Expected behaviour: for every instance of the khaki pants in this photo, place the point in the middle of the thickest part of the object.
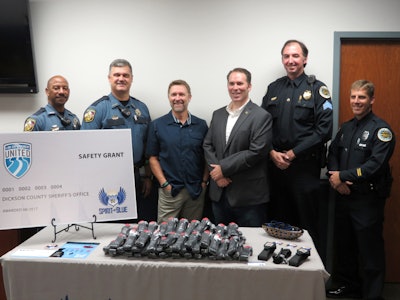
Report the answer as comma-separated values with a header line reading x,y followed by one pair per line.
x,y
180,206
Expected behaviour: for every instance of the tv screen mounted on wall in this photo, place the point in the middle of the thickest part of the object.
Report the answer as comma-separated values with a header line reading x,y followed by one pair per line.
x,y
17,65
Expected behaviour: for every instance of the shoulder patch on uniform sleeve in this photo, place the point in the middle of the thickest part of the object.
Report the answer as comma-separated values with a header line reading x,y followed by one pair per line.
x,y
89,115
324,92
385,135
29,124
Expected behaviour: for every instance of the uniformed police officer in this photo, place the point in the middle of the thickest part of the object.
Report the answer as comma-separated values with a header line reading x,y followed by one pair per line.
x,y
301,109
54,116
358,165
120,110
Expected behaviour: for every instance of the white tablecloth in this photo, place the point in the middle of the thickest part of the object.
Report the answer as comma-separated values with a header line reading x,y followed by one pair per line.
x,y
120,278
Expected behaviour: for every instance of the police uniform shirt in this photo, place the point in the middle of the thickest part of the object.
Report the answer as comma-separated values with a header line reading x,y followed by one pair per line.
x,y
361,149
48,119
109,113
302,114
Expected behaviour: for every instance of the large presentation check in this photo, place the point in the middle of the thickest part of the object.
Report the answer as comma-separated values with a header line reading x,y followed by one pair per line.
x,y
67,177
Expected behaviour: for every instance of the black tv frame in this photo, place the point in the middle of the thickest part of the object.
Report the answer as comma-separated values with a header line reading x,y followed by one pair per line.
x,y
17,61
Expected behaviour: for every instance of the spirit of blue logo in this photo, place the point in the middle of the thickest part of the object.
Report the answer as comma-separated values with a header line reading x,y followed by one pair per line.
x,y
114,200
17,158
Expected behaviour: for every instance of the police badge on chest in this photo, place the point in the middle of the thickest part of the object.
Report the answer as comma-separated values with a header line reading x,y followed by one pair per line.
x,y
364,138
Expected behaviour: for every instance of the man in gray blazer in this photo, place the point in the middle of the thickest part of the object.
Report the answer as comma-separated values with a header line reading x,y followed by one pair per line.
x,y
236,150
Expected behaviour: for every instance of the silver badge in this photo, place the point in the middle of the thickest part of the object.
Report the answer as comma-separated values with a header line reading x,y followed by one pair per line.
x,y
365,135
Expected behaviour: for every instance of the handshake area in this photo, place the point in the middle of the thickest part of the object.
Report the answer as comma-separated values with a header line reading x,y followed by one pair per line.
x,y
67,177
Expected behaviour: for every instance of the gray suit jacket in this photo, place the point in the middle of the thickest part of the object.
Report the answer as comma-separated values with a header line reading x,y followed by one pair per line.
x,y
243,158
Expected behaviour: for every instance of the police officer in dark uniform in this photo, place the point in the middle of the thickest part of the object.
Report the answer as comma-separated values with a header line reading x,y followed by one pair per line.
x,y
54,116
301,108
120,110
358,165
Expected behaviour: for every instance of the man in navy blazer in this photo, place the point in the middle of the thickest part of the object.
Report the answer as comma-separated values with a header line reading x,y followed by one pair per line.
x,y
236,150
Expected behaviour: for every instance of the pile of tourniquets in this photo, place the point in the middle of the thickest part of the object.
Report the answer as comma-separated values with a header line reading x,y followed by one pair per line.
x,y
181,239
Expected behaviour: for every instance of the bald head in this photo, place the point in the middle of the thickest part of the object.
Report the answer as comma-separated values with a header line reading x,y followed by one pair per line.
x,y
56,78
57,92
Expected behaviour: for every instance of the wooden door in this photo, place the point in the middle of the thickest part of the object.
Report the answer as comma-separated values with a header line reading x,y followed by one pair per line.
x,y
378,60
8,240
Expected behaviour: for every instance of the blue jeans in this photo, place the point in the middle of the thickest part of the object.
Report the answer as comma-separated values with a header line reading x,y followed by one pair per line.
x,y
180,206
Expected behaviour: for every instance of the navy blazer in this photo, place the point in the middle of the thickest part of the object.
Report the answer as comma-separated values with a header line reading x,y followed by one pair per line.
x,y
243,158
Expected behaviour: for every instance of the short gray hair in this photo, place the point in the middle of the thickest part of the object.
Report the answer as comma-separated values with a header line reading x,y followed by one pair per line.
x,y
119,62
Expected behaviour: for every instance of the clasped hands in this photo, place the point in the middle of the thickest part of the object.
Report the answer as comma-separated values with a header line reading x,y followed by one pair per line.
x,y
340,186
217,175
282,160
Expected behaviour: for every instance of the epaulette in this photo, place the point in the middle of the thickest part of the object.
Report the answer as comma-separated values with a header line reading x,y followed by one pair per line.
x,y
100,100
281,79
133,98
68,112
40,111
311,79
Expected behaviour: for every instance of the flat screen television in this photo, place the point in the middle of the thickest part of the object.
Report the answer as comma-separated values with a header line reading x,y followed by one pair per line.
x,y
17,64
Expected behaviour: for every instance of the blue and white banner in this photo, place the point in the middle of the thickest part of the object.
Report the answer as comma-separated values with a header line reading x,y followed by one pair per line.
x,y
68,176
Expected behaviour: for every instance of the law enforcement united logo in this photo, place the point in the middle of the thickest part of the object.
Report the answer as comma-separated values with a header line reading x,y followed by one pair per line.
x,y
17,158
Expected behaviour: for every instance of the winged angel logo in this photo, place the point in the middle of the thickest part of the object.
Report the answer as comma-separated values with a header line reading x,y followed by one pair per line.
x,y
112,198
17,158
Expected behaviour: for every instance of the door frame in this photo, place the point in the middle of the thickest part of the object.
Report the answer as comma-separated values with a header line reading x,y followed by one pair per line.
x,y
339,36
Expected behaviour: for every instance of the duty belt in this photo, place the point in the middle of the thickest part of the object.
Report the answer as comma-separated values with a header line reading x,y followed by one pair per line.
x,y
362,188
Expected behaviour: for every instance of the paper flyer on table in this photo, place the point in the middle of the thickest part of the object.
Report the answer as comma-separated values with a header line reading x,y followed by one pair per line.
x,y
75,250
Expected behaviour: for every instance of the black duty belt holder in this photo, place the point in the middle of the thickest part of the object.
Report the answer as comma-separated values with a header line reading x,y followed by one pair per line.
x,y
268,251
300,256
282,256
77,227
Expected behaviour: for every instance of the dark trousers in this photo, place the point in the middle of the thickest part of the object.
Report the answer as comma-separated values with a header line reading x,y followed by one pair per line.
x,y
146,207
295,194
244,216
359,243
